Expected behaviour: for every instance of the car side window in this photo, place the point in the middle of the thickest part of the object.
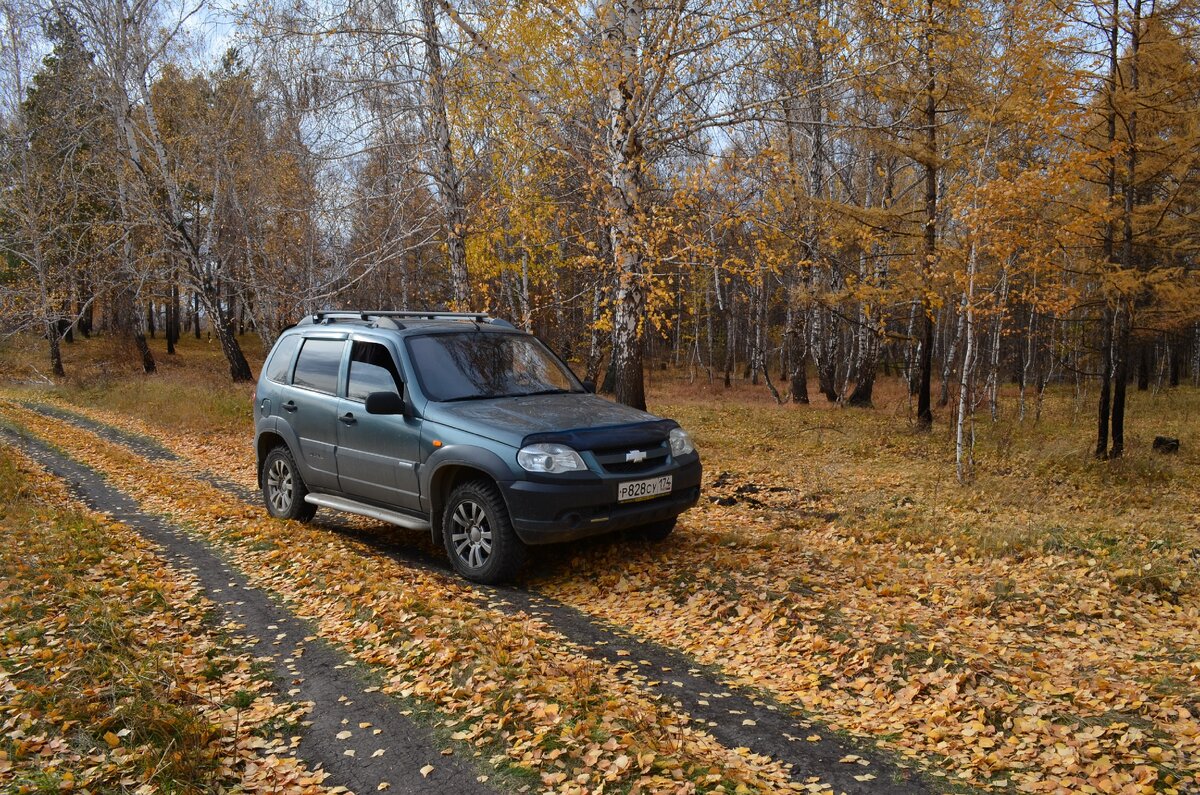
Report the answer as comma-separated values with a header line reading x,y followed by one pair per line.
x,y
372,369
318,364
280,366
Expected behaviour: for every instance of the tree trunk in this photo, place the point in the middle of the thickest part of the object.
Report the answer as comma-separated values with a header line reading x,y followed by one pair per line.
x,y
1109,348
964,446
445,171
1032,358
595,352
930,155
1196,355
1120,383
864,387
823,347
868,359
796,334
950,352
1106,379
997,344
1175,355
1127,252
623,189
87,317
1143,374
173,317
56,362
220,322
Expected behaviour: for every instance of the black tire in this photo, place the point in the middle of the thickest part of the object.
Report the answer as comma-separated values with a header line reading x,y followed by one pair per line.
x,y
283,489
657,531
479,536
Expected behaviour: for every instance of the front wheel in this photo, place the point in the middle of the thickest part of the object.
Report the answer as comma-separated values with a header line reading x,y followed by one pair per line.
x,y
657,531
479,536
283,489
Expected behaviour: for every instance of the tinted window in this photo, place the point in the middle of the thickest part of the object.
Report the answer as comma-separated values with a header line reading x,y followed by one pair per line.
x,y
280,366
371,370
317,366
478,365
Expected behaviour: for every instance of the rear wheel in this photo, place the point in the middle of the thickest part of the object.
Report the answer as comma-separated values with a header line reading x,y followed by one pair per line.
x,y
479,536
657,531
283,489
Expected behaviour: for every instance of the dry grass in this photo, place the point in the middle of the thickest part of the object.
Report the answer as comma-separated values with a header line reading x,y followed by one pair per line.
x,y
191,389
1036,487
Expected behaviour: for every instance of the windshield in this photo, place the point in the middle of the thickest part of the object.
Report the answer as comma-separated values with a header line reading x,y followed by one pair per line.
x,y
477,365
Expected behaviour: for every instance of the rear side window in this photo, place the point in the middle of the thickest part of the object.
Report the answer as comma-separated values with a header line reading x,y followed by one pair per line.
x,y
280,365
318,364
371,370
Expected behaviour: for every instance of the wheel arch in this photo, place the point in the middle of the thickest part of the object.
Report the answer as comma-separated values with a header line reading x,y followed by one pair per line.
x,y
266,442
457,469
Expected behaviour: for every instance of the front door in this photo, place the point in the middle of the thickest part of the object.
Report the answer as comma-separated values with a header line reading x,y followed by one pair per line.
x,y
376,454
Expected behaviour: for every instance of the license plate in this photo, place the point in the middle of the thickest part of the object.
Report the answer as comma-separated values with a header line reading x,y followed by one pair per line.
x,y
643,489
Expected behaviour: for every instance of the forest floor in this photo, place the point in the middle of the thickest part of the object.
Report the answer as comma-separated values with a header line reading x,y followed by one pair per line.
x,y
839,614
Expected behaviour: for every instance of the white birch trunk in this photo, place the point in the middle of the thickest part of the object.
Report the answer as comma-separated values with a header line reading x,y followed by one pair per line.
x,y
964,445
449,185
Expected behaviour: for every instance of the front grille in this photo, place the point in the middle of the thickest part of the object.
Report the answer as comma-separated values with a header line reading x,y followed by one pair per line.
x,y
615,460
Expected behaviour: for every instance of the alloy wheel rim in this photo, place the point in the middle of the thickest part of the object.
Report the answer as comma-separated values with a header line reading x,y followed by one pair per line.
x,y
280,486
471,535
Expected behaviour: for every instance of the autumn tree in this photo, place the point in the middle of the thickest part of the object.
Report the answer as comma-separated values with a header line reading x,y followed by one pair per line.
x,y
1148,131
53,222
130,43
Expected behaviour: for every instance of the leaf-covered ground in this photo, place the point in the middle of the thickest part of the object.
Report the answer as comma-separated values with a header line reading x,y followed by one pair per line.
x,y
509,690
1036,630
113,677
1043,632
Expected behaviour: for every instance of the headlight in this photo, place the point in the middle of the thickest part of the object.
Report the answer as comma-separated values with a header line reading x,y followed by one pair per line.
x,y
549,458
681,442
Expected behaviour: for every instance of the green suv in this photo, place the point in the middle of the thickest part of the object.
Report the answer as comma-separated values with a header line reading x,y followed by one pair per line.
x,y
462,425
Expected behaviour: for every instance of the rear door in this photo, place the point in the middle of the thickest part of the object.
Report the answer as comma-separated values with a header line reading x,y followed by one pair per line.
x,y
310,405
376,454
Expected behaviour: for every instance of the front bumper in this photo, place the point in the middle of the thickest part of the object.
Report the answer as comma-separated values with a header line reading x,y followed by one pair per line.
x,y
548,513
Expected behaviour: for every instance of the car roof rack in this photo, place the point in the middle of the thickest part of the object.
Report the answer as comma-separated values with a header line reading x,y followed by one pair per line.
x,y
388,318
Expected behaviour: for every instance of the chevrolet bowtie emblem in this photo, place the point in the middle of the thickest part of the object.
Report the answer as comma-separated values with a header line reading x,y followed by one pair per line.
x,y
635,456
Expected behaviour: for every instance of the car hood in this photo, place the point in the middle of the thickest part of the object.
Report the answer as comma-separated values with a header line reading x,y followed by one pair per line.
x,y
545,417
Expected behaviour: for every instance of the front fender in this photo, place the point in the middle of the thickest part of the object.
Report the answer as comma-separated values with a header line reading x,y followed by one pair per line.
x,y
445,466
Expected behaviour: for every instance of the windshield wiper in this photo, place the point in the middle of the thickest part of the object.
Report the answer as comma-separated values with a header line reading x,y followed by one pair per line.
x,y
544,392
460,398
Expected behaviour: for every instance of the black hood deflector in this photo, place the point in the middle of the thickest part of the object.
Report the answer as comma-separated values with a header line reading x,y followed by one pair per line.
x,y
606,436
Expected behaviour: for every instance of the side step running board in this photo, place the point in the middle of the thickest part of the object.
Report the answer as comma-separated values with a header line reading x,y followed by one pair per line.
x,y
362,509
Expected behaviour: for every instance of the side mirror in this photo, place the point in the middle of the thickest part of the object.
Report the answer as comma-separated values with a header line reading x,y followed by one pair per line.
x,y
589,386
385,403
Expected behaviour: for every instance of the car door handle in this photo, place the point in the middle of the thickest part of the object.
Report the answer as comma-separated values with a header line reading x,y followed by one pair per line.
x,y
289,406
348,418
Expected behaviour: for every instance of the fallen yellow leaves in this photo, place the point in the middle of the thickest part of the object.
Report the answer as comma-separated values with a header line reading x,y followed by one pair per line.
x,y
1058,680
1032,667
504,682
109,680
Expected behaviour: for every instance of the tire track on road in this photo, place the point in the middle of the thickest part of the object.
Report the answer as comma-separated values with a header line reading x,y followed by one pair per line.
x,y
733,714
305,668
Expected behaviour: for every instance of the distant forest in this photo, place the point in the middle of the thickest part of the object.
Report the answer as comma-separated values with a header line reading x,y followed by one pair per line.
x,y
807,194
